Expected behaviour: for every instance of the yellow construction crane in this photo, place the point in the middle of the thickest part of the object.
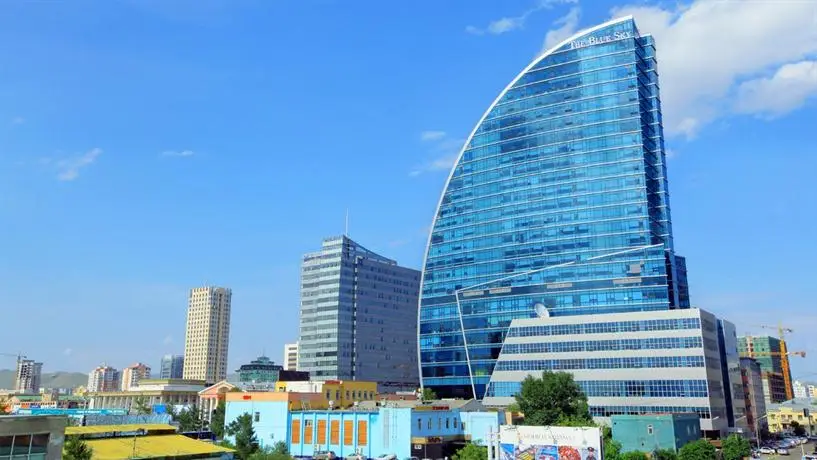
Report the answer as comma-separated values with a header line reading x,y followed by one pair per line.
x,y
783,354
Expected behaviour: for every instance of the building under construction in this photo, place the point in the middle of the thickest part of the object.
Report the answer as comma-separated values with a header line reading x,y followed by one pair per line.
x,y
770,354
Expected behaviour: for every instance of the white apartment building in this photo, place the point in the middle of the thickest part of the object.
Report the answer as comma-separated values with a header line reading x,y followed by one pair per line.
x,y
291,356
804,390
133,374
207,335
103,378
27,377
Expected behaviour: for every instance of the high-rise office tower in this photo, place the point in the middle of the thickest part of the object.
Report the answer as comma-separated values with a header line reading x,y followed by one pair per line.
x,y
557,205
767,351
556,213
133,374
28,376
754,400
731,375
358,316
291,356
103,379
207,337
172,367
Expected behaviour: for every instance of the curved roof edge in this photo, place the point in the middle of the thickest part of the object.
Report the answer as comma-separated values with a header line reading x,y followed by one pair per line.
x,y
491,107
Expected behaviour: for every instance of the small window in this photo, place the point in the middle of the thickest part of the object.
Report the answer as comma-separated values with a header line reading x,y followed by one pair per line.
x,y
430,426
257,417
455,422
419,424
649,429
446,423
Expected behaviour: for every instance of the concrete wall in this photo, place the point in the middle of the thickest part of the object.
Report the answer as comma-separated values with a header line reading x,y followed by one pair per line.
x,y
648,433
29,425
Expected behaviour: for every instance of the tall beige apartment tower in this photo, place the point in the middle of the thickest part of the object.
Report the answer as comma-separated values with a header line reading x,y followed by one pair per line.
x,y
207,336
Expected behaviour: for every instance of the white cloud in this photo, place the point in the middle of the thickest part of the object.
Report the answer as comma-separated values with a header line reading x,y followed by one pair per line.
x,y
68,169
444,154
18,120
168,340
511,23
67,352
432,135
178,153
670,154
708,49
566,26
789,88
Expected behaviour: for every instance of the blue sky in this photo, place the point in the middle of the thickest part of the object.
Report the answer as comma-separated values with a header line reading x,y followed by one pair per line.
x,y
147,147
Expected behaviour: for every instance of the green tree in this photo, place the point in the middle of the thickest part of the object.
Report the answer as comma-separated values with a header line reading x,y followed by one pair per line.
x,y
552,398
612,449
471,451
189,419
217,420
798,429
736,447
76,449
697,450
141,406
633,455
428,395
664,454
279,451
246,443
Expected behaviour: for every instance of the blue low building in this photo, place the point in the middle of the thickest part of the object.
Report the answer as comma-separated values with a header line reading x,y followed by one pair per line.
x,y
648,433
407,429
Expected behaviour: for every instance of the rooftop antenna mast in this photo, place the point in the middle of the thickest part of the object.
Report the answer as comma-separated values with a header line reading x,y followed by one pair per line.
x,y
346,224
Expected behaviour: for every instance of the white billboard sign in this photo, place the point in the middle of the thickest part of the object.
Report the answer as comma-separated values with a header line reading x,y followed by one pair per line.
x,y
549,443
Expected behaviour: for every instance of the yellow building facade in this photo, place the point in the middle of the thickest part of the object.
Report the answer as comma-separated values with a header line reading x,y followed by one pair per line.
x,y
342,393
780,417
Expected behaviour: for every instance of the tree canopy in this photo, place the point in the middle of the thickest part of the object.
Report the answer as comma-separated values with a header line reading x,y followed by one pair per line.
x,y
664,454
279,451
141,406
698,450
471,451
428,394
217,419
633,455
553,399
798,429
736,447
75,448
246,443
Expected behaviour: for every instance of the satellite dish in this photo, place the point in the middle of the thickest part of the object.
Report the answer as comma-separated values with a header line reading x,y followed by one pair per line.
x,y
541,310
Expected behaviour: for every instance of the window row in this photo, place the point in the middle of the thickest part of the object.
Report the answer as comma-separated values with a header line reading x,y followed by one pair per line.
x,y
609,411
662,343
621,388
540,176
555,119
649,362
604,328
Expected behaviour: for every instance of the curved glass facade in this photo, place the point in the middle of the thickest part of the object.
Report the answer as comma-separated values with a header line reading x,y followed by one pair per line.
x,y
558,205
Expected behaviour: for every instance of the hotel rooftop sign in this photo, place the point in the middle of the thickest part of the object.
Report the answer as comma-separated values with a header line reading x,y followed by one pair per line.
x,y
597,40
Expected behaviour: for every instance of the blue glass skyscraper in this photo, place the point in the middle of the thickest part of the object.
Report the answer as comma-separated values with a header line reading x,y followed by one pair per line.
x,y
557,205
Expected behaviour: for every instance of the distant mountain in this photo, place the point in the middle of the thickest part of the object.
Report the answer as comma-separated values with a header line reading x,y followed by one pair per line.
x,y
49,379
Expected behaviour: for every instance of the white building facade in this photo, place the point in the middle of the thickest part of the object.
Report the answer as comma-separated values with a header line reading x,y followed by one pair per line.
x,y
626,363
133,374
28,376
103,378
291,356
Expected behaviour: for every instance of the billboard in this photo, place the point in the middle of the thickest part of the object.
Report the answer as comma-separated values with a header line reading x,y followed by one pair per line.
x,y
549,443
